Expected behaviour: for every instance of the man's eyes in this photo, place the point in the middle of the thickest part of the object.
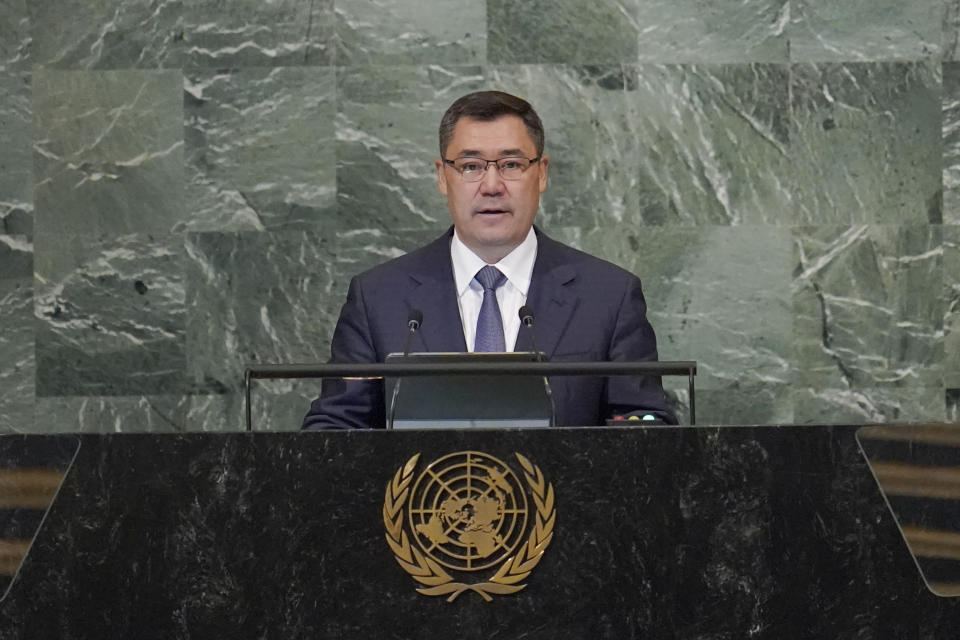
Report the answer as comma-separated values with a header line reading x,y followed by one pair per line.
x,y
472,166
510,164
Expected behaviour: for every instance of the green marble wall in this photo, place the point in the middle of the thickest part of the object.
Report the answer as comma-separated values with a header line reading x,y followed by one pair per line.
x,y
186,187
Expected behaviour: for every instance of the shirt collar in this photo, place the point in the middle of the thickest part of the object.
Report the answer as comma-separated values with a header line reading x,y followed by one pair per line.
x,y
516,265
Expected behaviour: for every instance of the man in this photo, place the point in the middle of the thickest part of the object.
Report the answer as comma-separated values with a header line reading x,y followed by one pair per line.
x,y
470,283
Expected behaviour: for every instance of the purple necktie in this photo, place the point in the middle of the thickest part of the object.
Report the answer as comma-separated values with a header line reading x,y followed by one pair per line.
x,y
489,323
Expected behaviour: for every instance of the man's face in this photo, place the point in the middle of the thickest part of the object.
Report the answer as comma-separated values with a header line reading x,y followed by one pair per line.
x,y
492,216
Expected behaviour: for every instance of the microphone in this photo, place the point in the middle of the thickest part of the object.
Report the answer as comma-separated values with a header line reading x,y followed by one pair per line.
x,y
526,319
414,320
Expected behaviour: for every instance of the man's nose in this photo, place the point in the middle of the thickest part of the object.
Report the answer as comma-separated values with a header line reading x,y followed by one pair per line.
x,y
492,183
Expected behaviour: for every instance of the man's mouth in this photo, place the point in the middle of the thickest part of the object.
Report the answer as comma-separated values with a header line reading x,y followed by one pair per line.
x,y
487,211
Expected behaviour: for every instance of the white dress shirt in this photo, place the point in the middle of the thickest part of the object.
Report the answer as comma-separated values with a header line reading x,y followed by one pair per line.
x,y
511,295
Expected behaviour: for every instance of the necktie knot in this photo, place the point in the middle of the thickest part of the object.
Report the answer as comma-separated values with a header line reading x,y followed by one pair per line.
x,y
490,277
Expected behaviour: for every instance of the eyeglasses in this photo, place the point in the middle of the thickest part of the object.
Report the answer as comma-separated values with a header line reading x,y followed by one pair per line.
x,y
473,169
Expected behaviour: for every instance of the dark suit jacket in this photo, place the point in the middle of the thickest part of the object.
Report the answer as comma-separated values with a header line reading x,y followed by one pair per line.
x,y
586,309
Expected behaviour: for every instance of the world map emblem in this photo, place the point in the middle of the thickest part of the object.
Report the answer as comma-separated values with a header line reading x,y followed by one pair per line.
x,y
469,514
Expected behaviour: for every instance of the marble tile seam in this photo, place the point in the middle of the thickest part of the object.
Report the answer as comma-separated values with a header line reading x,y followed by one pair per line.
x,y
354,68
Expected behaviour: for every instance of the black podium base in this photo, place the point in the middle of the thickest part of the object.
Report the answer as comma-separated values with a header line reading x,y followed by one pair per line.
x,y
748,532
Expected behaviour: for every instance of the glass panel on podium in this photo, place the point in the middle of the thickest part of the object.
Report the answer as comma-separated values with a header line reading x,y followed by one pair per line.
x,y
468,401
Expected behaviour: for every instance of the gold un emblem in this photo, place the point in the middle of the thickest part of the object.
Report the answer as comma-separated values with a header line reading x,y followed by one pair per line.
x,y
468,512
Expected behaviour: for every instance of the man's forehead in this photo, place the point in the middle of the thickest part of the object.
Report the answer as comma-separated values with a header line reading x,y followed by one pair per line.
x,y
503,136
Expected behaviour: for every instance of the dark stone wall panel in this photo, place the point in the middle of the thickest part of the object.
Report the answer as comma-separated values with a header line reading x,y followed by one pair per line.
x,y
14,36
252,33
273,298
714,144
145,34
865,143
387,32
17,364
777,172
562,31
712,32
16,351
951,142
107,34
825,30
951,322
867,307
16,169
824,405
590,138
708,302
953,405
259,148
109,152
114,414
110,315
386,128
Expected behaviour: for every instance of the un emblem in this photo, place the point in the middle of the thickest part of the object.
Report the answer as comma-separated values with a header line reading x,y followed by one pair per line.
x,y
468,512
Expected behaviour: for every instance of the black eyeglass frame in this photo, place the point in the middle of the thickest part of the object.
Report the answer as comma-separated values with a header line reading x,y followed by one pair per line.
x,y
497,162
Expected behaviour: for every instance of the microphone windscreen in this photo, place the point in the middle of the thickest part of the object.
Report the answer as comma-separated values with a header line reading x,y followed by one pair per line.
x,y
526,314
415,318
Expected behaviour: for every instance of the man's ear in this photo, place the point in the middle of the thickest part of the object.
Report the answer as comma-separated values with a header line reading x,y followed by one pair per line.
x,y
441,176
544,166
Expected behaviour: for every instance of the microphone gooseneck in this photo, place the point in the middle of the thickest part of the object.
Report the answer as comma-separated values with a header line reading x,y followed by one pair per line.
x,y
526,319
414,320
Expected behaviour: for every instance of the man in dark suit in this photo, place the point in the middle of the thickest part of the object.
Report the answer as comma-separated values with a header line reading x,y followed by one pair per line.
x,y
470,283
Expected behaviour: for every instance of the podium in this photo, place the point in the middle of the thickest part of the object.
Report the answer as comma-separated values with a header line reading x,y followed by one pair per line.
x,y
760,532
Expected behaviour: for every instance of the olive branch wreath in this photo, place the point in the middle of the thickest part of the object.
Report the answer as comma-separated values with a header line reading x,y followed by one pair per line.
x,y
428,571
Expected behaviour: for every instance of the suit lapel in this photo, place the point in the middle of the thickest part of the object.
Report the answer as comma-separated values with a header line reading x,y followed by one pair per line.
x,y
551,297
434,293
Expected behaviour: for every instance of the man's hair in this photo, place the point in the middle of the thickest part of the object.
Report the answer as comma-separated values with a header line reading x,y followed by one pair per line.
x,y
488,106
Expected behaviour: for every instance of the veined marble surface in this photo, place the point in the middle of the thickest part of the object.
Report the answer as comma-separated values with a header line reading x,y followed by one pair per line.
x,y
371,32
273,298
252,33
703,297
14,36
16,168
951,142
562,31
386,130
867,309
782,174
823,30
865,143
112,34
950,39
16,337
259,148
586,112
951,323
872,405
715,144
108,151
110,315
709,32
106,34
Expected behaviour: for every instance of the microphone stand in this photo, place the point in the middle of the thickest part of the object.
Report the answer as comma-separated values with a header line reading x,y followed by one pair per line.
x,y
526,319
413,323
